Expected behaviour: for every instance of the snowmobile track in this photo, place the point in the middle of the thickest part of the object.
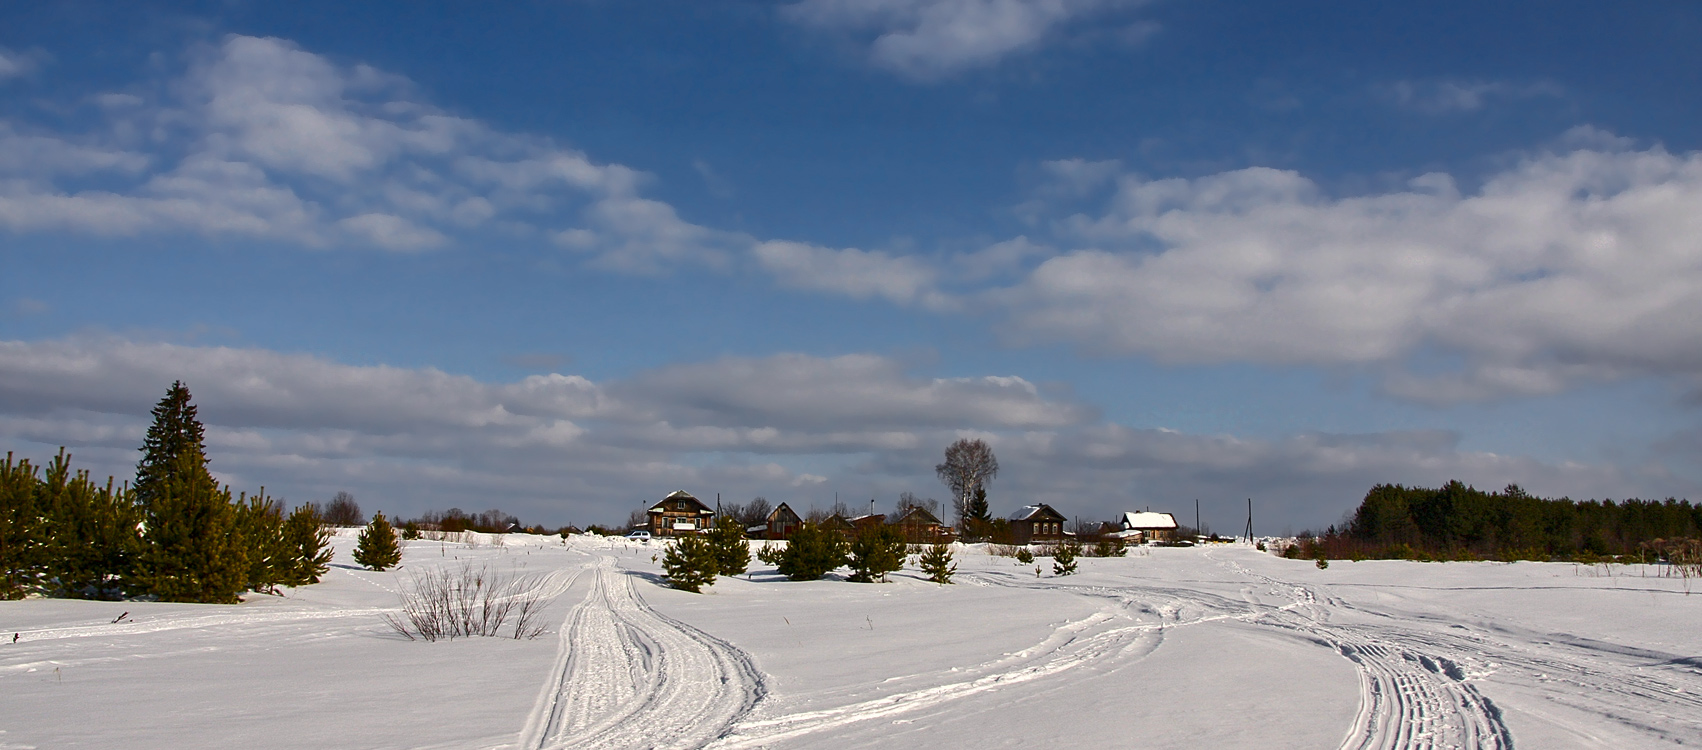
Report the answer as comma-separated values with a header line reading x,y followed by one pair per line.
x,y
626,676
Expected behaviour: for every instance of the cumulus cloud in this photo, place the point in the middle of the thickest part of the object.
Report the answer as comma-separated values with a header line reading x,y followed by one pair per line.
x,y
1570,267
259,138
557,448
931,39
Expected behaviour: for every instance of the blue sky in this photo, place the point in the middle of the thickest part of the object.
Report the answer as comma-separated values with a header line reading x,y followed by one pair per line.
x,y
562,258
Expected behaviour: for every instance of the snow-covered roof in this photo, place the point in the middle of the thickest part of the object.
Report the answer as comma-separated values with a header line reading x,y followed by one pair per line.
x,y
1148,520
1027,512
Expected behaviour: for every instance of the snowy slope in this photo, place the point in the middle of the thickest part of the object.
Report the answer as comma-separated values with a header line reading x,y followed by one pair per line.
x,y
1219,646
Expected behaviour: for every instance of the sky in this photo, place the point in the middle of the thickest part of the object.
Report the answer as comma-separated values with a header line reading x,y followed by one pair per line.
x,y
562,258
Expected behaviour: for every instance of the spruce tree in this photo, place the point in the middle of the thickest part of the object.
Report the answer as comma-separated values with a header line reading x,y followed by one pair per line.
x,y
309,544
691,563
877,551
174,433
1064,560
936,562
192,548
376,548
727,541
978,510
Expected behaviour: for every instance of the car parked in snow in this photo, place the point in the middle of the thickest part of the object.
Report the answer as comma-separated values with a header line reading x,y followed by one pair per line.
x,y
639,536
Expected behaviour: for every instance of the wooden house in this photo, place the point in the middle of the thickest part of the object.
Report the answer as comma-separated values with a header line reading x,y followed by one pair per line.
x,y
680,513
782,522
1147,526
867,521
1036,523
838,523
921,527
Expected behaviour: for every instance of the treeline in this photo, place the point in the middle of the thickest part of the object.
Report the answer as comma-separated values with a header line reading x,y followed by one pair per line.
x,y
1459,522
173,535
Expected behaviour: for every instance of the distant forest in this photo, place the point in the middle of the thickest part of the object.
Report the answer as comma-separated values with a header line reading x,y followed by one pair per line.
x,y
1458,522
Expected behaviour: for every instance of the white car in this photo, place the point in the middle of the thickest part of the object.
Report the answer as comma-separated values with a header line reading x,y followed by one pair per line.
x,y
639,536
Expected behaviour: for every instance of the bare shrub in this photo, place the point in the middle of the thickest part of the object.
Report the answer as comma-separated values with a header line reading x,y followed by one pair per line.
x,y
450,603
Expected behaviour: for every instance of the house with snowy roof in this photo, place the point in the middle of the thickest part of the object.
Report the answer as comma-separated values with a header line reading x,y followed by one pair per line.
x,y
1147,526
679,513
1036,523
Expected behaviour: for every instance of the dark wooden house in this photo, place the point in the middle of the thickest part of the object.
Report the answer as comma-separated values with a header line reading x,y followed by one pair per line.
x,y
1036,523
838,523
921,527
680,513
782,522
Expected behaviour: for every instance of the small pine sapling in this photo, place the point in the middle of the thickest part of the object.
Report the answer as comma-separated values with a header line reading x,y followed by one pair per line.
x,y
1064,560
936,562
309,542
1024,556
690,563
811,553
732,552
875,552
770,554
376,548
410,531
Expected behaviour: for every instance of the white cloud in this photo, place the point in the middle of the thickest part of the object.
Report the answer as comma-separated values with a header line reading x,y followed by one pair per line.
x,y
15,64
1570,267
262,139
1448,97
557,448
859,274
932,39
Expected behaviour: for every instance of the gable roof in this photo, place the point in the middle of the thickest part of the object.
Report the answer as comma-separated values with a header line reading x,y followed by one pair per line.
x,y
783,513
676,496
1036,512
1148,520
917,515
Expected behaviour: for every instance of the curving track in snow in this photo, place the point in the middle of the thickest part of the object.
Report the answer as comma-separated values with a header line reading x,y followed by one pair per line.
x,y
626,676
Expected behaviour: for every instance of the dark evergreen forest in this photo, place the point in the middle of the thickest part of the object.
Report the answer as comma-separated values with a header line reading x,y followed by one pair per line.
x,y
1459,522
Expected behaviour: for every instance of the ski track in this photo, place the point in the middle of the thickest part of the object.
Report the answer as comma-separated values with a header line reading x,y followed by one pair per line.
x,y
627,676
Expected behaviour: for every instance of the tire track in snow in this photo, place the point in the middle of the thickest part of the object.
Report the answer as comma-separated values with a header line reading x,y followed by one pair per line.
x,y
1103,640
627,676
1408,698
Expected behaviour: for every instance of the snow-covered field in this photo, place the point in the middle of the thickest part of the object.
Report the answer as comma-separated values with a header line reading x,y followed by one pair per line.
x,y
1221,646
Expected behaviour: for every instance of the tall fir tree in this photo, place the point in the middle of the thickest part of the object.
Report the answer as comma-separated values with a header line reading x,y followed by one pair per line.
x,y
377,548
193,550
175,432
978,510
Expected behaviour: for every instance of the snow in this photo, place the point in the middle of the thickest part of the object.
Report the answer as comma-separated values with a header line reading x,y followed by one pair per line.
x,y
1218,645
1148,520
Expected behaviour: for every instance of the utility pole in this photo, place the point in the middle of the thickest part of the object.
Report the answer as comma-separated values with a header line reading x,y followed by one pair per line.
x,y
1249,520
1196,518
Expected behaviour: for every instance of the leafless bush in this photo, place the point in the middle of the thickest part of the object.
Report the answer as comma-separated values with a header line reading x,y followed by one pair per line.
x,y
1002,550
450,603
1683,556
